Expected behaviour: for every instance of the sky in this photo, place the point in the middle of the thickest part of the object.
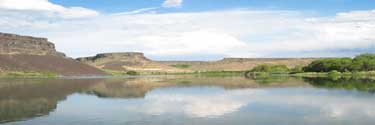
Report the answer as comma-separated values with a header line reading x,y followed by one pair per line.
x,y
197,29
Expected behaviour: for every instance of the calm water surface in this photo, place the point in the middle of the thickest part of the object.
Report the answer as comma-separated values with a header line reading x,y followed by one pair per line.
x,y
187,100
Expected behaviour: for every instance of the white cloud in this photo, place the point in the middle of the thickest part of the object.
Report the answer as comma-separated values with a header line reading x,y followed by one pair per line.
x,y
139,11
44,6
234,33
172,3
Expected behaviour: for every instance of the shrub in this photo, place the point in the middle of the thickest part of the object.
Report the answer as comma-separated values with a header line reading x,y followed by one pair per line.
x,y
297,69
133,73
364,62
326,65
271,68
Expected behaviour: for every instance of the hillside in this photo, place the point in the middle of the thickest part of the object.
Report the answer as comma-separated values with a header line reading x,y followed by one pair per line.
x,y
127,61
138,62
238,64
25,53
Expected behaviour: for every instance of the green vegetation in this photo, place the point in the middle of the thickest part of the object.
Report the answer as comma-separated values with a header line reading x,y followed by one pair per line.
x,y
269,79
364,62
203,73
219,73
122,73
132,73
360,66
343,83
181,66
296,69
274,69
31,74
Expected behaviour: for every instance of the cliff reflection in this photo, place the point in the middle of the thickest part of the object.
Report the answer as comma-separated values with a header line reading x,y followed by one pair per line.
x,y
28,98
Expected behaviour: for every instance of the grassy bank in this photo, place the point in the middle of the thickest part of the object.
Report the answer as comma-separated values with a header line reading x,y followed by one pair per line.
x,y
20,74
336,74
203,73
332,74
219,73
121,73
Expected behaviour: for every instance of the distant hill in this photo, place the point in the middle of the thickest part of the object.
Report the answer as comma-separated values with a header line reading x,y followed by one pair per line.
x,y
127,61
238,64
26,53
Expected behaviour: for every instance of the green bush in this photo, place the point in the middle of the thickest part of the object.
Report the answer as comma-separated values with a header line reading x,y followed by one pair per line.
x,y
334,73
121,73
297,69
326,65
271,68
132,73
364,62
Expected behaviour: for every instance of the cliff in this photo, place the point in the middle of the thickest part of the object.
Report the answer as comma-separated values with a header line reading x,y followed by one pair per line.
x,y
126,56
16,44
26,53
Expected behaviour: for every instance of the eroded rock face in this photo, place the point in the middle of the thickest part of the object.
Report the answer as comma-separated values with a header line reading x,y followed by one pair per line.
x,y
25,53
16,44
125,56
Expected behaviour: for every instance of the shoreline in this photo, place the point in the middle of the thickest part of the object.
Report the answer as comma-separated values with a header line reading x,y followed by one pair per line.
x,y
48,75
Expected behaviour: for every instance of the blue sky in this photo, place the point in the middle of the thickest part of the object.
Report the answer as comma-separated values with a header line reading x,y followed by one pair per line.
x,y
323,7
197,29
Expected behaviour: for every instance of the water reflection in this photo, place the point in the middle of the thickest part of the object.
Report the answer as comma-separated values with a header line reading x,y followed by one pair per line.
x,y
367,85
236,100
212,103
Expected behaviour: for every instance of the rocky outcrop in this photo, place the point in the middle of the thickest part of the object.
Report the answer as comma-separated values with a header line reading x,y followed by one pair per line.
x,y
25,53
16,44
127,61
125,56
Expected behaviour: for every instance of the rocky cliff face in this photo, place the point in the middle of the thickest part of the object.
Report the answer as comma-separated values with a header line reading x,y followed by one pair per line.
x,y
125,56
25,53
16,44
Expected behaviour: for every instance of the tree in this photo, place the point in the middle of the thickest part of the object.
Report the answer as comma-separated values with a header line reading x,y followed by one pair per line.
x,y
364,62
327,65
271,68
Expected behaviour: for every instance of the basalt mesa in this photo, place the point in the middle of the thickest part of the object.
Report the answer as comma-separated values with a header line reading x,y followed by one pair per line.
x,y
135,61
31,54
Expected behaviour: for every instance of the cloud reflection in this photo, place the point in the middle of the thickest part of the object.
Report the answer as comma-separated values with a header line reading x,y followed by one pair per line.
x,y
208,104
214,102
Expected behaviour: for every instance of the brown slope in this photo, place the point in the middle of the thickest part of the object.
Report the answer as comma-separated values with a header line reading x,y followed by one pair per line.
x,y
26,53
46,63
239,64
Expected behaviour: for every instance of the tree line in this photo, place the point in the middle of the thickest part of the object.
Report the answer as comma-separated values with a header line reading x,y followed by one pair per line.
x,y
363,62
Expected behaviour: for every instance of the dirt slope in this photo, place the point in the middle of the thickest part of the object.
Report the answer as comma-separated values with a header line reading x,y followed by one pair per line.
x,y
46,63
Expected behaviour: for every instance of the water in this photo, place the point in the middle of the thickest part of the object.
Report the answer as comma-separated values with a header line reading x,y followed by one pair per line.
x,y
187,100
